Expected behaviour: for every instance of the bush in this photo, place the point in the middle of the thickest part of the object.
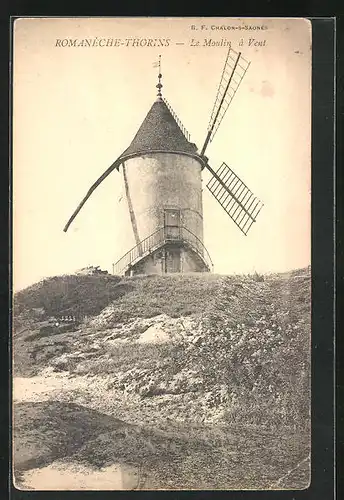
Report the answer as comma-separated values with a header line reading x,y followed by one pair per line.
x,y
71,295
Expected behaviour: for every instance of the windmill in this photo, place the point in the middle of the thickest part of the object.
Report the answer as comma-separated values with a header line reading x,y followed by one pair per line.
x,y
162,175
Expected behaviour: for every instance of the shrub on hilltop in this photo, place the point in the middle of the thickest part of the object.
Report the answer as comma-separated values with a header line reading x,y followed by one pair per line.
x,y
70,294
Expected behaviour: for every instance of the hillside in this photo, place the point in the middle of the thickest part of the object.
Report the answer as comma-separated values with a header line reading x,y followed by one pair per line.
x,y
183,366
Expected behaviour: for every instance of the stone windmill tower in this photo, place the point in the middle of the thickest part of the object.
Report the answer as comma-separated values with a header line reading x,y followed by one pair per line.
x,y
162,175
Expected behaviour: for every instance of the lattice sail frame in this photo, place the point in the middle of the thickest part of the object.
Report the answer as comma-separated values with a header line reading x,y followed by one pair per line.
x,y
236,198
234,70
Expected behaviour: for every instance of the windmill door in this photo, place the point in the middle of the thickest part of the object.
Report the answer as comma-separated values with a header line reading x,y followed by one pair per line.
x,y
172,260
172,224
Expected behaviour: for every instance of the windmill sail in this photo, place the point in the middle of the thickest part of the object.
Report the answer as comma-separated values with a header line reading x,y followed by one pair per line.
x,y
234,197
234,70
88,194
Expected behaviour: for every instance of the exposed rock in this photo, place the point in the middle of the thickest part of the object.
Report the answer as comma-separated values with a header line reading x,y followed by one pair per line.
x,y
155,334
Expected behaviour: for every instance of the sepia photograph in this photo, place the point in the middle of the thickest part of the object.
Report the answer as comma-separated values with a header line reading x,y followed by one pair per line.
x,y
161,327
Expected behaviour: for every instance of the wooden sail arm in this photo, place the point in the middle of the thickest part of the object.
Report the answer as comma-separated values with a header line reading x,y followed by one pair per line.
x,y
235,197
89,192
211,128
229,191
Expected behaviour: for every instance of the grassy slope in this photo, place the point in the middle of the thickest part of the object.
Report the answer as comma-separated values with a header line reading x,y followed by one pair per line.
x,y
138,296
243,356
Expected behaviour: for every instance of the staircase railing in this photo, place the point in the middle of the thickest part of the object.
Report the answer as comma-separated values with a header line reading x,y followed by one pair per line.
x,y
157,239
197,245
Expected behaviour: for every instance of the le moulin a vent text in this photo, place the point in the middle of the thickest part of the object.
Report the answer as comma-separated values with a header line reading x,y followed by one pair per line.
x,y
152,42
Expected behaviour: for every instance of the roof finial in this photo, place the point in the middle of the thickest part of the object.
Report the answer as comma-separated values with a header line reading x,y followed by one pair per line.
x,y
159,85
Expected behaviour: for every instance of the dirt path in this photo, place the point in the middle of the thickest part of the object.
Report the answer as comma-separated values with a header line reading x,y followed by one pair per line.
x,y
40,387
61,474
67,440
68,475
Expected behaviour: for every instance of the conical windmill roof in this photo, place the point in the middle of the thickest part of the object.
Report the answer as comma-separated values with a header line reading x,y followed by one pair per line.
x,y
159,132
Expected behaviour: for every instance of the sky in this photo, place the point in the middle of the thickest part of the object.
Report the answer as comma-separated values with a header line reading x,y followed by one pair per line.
x,y
77,108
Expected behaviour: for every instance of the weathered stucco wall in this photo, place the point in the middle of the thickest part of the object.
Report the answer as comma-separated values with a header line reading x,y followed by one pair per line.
x,y
190,263
158,181
152,264
156,262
